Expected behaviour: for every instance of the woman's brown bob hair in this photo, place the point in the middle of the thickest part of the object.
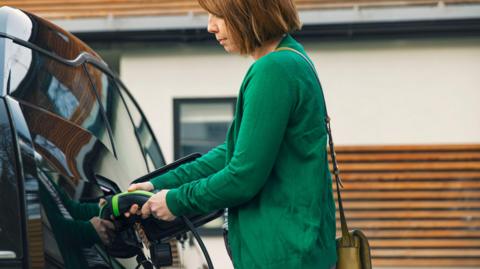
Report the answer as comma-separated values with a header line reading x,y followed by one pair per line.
x,y
251,23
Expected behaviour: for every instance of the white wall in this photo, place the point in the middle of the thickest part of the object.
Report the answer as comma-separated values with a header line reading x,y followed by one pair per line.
x,y
402,92
378,92
156,77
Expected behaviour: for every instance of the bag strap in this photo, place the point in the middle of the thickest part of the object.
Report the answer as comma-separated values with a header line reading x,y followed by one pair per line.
x,y
345,235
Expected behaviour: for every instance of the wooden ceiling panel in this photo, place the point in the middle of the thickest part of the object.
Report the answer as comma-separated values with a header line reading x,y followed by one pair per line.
x,y
64,9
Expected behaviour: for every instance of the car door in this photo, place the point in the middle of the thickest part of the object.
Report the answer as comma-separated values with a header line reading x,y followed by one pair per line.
x,y
77,140
74,146
126,140
11,237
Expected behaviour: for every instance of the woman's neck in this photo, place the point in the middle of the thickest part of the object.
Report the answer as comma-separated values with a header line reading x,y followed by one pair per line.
x,y
266,48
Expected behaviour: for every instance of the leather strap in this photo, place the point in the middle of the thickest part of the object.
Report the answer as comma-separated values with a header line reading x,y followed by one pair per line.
x,y
345,234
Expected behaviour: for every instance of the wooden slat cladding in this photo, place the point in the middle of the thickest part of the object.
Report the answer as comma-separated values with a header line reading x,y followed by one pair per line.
x,y
60,9
419,205
35,243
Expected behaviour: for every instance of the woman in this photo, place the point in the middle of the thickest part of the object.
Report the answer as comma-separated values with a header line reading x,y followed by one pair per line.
x,y
272,171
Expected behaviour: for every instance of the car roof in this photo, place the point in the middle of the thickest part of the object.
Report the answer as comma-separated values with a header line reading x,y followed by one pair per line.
x,y
31,31
42,33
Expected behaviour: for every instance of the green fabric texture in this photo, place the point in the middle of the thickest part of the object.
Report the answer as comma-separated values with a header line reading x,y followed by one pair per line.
x,y
271,172
71,234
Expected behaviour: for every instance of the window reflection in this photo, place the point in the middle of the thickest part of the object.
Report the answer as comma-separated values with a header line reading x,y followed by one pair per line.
x,y
68,222
18,60
52,38
65,91
65,102
68,158
129,152
10,233
147,138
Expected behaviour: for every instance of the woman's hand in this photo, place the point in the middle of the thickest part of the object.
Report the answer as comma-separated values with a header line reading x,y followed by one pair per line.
x,y
104,228
157,207
101,202
144,186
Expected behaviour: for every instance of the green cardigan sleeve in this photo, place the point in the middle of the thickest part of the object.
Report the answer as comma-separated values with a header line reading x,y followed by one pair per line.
x,y
268,101
68,232
202,167
79,211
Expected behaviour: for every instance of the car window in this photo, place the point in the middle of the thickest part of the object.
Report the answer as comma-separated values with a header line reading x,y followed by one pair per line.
x,y
129,151
146,137
10,230
65,91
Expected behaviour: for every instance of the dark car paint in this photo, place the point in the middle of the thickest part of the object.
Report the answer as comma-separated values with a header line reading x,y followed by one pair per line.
x,y
80,158
9,190
29,204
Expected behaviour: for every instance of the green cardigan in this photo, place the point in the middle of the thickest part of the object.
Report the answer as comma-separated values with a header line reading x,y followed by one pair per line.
x,y
71,235
271,172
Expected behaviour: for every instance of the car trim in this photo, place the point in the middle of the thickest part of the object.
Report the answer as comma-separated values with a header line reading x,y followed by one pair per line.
x,y
6,254
102,109
82,58
11,104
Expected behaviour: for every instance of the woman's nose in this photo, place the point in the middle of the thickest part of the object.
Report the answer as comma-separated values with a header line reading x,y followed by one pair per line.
x,y
212,25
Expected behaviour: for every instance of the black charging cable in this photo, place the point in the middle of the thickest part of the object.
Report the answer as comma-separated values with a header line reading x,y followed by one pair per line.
x,y
199,240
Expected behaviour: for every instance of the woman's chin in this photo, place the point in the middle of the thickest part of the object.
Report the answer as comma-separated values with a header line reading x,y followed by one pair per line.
x,y
229,49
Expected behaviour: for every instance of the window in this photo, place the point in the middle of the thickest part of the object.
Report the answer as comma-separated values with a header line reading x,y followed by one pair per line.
x,y
200,125
145,135
65,91
125,139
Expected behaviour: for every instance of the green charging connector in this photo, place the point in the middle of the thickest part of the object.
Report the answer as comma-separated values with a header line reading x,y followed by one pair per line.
x,y
119,204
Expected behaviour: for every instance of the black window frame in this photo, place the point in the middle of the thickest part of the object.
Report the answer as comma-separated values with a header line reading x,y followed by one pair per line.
x,y
178,102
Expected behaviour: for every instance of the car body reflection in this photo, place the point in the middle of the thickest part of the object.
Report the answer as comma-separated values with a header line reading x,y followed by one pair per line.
x,y
67,124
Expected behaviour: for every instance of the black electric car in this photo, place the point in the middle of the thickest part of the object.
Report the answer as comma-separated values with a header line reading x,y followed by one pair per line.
x,y
70,133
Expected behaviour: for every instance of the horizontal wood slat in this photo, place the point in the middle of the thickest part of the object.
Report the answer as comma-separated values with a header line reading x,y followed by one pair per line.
x,y
56,9
384,157
408,148
393,205
437,262
411,166
410,223
409,214
473,253
426,243
410,195
411,185
35,243
436,234
419,205
402,175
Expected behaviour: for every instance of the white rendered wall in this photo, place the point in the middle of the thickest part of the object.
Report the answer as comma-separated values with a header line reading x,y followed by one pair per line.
x,y
402,92
156,77
378,92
